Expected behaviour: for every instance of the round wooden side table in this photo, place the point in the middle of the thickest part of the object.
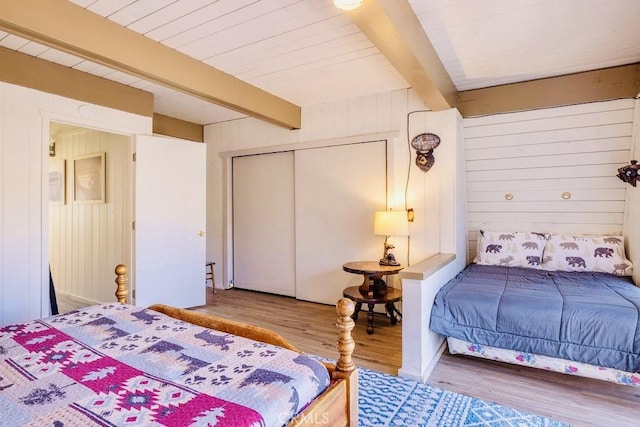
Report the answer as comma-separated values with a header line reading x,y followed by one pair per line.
x,y
372,271
391,296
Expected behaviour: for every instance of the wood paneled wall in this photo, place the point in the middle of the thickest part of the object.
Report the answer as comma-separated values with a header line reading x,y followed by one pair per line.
x,y
21,156
632,213
350,118
86,241
538,155
24,209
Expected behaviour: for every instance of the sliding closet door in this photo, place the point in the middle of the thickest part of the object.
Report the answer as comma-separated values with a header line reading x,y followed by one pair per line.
x,y
263,223
337,191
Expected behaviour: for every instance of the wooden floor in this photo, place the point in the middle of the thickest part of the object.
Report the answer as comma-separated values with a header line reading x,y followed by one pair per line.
x,y
310,327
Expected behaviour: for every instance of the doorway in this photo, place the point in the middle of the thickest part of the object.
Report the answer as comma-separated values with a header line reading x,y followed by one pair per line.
x,y
90,212
148,213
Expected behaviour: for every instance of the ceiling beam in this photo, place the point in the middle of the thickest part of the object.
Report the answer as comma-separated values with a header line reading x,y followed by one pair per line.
x,y
63,25
394,29
579,88
170,126
35,73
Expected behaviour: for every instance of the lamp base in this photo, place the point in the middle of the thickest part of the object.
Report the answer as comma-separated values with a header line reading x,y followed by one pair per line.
x,y
389,259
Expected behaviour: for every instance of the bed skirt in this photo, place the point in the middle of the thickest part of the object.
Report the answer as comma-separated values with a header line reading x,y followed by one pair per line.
x,y
548,363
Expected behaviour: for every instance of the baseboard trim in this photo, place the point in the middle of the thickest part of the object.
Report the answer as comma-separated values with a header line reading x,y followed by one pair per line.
x,y
430,366
76,299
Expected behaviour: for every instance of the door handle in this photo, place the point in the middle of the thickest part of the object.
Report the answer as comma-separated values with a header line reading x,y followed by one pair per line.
x,y
201,233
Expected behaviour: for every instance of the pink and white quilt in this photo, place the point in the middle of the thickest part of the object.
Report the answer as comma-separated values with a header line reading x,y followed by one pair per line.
x,y
121,365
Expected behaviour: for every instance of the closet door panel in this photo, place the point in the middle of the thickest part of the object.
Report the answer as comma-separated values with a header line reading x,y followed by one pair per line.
x,y
263,223
337,191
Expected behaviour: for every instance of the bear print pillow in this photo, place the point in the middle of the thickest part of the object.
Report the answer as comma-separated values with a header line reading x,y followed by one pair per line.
x,y
510,249
586,253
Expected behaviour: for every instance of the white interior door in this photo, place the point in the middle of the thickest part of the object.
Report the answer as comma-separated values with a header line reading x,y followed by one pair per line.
x,y
263,223
337,191
170,215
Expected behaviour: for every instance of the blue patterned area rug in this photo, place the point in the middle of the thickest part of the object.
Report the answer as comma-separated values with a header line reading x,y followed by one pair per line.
x,y
387,400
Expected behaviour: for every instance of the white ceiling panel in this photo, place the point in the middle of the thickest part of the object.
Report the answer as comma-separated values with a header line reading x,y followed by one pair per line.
x,y
120,77
156,18
201,22
309,52
137,10
331,31
265,24
489,42
13,42
33,49
93,68
107,7
60,57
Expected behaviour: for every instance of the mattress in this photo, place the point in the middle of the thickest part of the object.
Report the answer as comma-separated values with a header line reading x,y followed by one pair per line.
x,y
587,317
116,364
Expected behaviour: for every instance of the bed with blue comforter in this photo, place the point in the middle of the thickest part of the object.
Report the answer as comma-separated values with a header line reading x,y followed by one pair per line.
x,y
587,317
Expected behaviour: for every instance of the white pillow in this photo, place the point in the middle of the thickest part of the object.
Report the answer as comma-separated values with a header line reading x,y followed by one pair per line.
x,y
510,249
586,253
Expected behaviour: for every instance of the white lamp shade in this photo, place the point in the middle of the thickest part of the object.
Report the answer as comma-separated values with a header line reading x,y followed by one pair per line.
x,y
347,4
391,223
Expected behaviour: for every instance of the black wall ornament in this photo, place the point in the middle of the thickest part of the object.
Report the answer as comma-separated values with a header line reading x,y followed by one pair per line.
x,y
424,144
629,173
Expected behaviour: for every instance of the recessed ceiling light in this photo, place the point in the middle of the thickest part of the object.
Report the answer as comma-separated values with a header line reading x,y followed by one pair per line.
x,y
347,4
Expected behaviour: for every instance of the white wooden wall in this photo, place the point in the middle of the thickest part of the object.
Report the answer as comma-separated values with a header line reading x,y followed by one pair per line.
x,y
359,119
21,156
24,208
538,155
378,113
632,213
438,196
87,240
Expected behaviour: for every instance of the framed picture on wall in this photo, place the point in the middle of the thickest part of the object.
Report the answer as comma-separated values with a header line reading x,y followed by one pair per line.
x,y
57,181
89,178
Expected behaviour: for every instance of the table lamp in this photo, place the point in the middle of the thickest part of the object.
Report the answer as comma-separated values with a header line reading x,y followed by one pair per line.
x,y
390,223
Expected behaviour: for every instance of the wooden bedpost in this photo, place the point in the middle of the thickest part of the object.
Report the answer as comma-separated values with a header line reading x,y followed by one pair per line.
x,y
346,368
121,281
345,343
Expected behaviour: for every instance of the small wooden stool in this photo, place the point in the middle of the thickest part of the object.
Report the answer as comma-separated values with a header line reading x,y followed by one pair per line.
x,y
210,275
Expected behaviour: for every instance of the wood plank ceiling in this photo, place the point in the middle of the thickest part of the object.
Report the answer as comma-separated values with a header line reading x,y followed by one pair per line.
x,y
307,52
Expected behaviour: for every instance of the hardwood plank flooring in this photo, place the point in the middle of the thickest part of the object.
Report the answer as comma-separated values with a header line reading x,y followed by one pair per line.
x,y
69,302
310,327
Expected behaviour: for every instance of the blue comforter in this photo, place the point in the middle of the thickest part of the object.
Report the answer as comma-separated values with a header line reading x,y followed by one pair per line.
x,y
585,317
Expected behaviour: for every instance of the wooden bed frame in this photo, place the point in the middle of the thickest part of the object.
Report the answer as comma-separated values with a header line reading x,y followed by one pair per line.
x,y
336,406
